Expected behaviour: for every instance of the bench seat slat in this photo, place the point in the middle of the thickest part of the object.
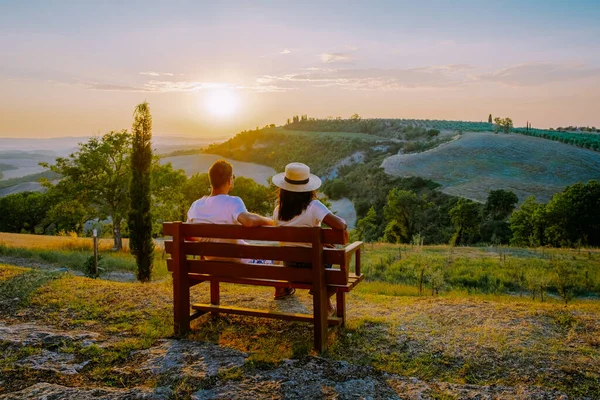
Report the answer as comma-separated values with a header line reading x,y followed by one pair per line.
x,y
199,278
281,234
261,252
252,282
260,271
261,313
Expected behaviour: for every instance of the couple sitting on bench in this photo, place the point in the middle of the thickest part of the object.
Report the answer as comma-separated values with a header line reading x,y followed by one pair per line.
x,y
297,207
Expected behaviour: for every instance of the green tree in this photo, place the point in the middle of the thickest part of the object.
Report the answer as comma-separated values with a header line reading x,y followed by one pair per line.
x,y
22,212
503,124
573,215
168,195
96,177
258,199
466,217
140,216
490,119
335,189
500,204
196,187
367,226
528,224
403,212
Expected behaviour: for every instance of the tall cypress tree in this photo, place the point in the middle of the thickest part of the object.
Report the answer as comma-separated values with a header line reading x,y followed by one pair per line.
x,y
140,219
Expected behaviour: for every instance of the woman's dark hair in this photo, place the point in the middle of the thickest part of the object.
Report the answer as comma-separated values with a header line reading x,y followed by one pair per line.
x,y
292,204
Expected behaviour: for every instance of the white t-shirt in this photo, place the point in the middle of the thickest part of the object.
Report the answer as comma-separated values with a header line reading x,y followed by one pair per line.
x,y
312,216
220,209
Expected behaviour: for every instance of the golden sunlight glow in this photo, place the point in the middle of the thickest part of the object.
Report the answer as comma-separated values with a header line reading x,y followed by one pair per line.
x,y
222,102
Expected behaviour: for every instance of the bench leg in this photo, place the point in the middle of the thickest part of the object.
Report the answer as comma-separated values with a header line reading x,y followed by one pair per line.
x,y
341,306
215,296
181,306
320,301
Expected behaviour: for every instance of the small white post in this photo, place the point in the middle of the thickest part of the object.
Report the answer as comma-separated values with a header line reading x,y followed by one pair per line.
x,y
95,233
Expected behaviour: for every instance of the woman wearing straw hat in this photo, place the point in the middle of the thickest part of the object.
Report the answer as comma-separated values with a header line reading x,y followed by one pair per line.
x,y
298,206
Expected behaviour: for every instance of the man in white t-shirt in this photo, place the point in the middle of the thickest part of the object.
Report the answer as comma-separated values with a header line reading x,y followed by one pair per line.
x,y
219,207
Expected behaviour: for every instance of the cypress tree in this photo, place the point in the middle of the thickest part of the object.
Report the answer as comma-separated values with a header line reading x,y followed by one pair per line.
x,y
140,219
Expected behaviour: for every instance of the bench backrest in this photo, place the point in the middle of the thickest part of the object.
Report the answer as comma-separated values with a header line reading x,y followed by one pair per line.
x,y
180,249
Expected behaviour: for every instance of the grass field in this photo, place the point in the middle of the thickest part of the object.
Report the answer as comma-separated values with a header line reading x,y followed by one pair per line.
x,y
477,339
479,162
54,252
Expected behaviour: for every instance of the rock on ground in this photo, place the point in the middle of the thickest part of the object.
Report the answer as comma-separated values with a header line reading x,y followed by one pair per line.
x,y
216,372
182,358
49,391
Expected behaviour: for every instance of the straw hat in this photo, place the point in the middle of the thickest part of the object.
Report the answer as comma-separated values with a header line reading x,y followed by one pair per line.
x,y
297,178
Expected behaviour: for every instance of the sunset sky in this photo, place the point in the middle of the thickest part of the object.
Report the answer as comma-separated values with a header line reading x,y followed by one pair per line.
x,y
211,68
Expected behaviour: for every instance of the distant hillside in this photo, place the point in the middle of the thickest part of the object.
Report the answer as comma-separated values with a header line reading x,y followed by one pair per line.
x,y
199,163
405,129
479,162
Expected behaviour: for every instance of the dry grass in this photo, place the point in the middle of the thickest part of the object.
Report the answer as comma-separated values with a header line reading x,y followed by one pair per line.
x,y
8,271
475,339
43,242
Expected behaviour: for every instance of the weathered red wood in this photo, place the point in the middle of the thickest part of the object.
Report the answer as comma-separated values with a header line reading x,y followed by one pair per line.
x,y
187,272
262,313
252,282
275,234
320,299
215,297
260,271
341,305
262,252
181,284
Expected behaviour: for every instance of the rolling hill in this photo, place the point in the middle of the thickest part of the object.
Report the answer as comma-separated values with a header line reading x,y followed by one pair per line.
x,y
479,162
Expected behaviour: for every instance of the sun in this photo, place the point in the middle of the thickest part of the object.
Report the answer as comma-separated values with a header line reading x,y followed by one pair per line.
x,y
222,102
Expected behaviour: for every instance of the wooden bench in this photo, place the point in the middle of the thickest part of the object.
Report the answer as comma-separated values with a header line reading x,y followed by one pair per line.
x,y
188,270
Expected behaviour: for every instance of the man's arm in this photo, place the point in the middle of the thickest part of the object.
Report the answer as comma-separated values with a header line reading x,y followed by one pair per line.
x,y
251,220
335,222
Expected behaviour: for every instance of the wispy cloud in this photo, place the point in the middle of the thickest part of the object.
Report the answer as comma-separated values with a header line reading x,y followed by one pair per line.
x,y
152,73
331,58
539,74
165,86
114,88
374,79
285,51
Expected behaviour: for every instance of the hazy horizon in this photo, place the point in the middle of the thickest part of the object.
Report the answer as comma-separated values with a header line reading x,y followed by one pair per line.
x,y
213,70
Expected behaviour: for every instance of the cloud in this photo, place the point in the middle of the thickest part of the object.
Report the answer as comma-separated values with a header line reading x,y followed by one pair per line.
x,y
285,51
160,86
115,88
152,73
375,79
539,74
330,58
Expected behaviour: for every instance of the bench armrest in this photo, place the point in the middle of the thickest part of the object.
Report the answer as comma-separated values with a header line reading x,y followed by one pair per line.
x,y
350,250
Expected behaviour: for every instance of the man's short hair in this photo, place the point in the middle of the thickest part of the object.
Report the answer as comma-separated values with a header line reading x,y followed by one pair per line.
x,y
219,173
